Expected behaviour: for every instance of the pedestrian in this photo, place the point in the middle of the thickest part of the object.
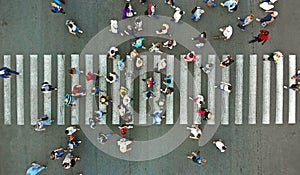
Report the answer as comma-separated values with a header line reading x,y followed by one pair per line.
x,y
168,81
75,71
149,94
56,8
71,130
121,65
231,5
123,129
296,76
139,62
164,30
227,32
199,100
245,21
201,40
190,57
90,75
195,132
207,68
227,62
197,13
263,36
69,161
104,99
171,3
124,113
162,64
149,81
69,100
99,114
78,90
57,154
225,87
134,53
126,100
196,158
127,11
6,72
138,24
130,31
40,122
161,103
168,90
267,4
112,77
268,19
294,87
35,169
47,87
157,117
103,138
95,90
72,144
73,28
138,43
276,56
114,27
155,48
220,145
142,1
177,15
113,53
123,143
210,3
169,44
151,10
207,115
123,91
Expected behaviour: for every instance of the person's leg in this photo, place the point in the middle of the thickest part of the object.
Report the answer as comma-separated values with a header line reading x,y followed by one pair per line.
x,y
41,168
14,72
254,40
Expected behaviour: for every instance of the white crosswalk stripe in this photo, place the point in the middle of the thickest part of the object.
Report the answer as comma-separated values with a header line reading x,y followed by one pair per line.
x,y
238,107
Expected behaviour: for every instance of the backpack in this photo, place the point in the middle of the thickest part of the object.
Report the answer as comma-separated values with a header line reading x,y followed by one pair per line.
x,y
193,11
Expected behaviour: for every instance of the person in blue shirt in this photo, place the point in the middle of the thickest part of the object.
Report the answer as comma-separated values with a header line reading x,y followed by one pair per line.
x,y
168,81
196,158
6,72
197,12
35,169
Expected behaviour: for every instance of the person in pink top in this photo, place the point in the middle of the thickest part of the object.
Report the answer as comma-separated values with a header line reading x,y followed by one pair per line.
x,y
190,57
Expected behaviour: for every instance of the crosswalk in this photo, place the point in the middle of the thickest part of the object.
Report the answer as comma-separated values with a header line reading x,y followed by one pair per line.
x,y
244,108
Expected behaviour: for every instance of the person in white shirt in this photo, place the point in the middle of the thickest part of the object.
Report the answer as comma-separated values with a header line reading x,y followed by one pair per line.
x,y
195,132
220,145
177,15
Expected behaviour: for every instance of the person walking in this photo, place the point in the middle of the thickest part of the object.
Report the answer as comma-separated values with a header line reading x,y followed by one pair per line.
x,y
207,115
71,130
171,3
112,77
75,71
40,122
123,143
190,57
268,19
35,168
130,31
103,138
227,32
195,132
150,82
207,68
168,81
267,4
69,100
177,15
151,10
276,56
296,76
104,99
57,153
127,11
56,8
90,75
138,24
227,62
220,145
169,44
47,88
201,40
78,91
69,161
197,13
245,21
263,37
149,94
72,144
123,129
138,43
195,157
113,53
294,87
161,65
73,28
164,30
225,87
6,72
114,27
230,4
210,3
168,90
199,100
155,48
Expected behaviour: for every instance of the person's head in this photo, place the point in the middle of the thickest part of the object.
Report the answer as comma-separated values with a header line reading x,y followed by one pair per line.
x,y
157,45
65,165
229,87
52,156
275,14
191,55
170,42
251,17
127,5
168,81
110,78
137,20
181,12
171,89
70,25
198,135
203,35
224,147
202,11
72,70
67,131
214,142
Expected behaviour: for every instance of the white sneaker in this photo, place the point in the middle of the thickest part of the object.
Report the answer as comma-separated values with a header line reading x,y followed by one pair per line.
x,y
129,127
80,31
285,87
222,4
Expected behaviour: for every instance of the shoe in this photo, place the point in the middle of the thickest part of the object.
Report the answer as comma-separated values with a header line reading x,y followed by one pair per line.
x,y
257,19
193,39
285,87
173,6
222,4
129,127
134,13
80,31
238,18
79,141
215,86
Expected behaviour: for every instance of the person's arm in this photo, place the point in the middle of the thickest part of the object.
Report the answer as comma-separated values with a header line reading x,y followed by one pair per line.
x,y
263,42
70,31
272,20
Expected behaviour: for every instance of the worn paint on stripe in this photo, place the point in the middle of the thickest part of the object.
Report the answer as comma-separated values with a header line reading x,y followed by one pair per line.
x,y
89,99
197,87
292,94
210,89
183,90
116,95
20,89
279,93
75,80
156,88
225,96
239,90
34,88
102,81
142,89
47,78
61,89
7,93
170,98
252,89
266,91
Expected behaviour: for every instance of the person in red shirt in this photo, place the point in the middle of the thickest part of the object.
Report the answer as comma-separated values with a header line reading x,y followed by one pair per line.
x,y
123,129
150,82
263,36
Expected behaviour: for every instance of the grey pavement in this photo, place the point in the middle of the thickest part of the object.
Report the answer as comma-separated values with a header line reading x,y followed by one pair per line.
x,y
29,27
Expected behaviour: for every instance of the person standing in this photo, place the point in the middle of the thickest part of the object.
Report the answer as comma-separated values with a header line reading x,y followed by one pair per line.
x,y
263,37
127,11
123,143
245,22
296,76
6,72
151,10
220,145
276,56
112,77
207,68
